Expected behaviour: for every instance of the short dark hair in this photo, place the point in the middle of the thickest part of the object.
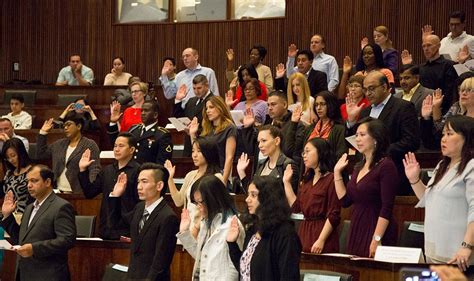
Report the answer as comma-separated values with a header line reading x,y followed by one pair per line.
x,y
154,105
378,53
307,53
411,68
332,105
46,173
200,79
357,78
215,197
461,15
160,173
173,60
326,158
131,140
75,55
18,97
76,118
279,93
19,147
275,132
262,51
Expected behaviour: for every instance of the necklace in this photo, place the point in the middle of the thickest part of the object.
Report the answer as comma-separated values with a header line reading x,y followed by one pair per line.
x,y
268,166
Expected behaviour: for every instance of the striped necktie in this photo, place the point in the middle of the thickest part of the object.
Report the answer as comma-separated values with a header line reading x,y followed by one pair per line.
x,y
143,220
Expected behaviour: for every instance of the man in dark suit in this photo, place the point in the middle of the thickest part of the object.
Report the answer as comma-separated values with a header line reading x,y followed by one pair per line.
x,y
124,149
47,230
399,116
317,80
153,225
193,107
412,89
153,142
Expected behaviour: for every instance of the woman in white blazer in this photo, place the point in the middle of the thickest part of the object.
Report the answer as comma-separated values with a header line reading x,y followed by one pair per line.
x,y
210,249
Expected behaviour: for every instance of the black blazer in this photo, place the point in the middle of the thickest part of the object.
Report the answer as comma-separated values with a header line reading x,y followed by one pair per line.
x,y
276,257
401,120
153,248
190,110
52,232
317,81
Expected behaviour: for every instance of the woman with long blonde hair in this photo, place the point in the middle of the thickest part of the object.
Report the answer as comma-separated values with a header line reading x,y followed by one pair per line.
x,y
299,93
217,124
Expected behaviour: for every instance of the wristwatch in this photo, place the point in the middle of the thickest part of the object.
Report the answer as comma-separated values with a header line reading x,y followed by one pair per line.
x,y
377,238
466,245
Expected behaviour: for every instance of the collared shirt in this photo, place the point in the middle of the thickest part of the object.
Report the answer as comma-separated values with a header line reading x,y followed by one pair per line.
x,y
66,75
21,121
203,98
377,109
36,206
322,62
451,46
408,96
185,77
148,127
153,205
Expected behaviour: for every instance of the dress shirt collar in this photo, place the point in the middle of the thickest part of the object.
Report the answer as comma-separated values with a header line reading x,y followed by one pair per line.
x,y
147,128
153,205
42,201
460,37
383,103
412,90
198,67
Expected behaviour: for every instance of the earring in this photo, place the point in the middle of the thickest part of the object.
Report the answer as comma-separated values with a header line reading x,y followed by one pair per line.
x,y
375,143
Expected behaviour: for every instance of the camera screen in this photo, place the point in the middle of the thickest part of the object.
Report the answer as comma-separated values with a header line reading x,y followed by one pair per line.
x,y
420,275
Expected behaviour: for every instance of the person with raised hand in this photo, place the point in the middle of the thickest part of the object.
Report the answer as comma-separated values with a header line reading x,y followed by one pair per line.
x,y
209,250
316,199
272,248
448,198
371,191
81,107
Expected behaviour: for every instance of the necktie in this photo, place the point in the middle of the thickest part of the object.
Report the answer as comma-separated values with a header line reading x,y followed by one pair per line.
x,y
143,131
143,220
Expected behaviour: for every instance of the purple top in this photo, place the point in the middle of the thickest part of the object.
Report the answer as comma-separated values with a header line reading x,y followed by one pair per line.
x,y
259,109
390,58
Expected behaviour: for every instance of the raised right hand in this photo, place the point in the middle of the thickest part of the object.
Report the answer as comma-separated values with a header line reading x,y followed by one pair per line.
x,y
242,164
9,204
437,98
412,167
120,185
296,114
167,68
249,118
347,66
288,174
426,31
85,160
182,92
229,98
115,111
406,57
353,110
171,169
292,50
427,107
193,127
185,220
47,125
230,54
233,233
364,42
341,164
280,71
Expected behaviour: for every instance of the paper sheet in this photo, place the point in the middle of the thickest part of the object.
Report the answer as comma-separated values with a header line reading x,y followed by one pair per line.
x,y
120,267
180,123
238,117
320,277
5,245
460,69
352,141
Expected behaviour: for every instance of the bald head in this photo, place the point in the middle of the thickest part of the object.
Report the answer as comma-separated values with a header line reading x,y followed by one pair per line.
x,y
376,87
431,45
190,58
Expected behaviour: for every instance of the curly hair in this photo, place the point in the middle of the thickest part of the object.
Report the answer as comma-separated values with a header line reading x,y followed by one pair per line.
x,y
273,208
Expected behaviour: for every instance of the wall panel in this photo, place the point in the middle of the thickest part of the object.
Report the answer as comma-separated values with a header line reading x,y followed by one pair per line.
x,y
41,34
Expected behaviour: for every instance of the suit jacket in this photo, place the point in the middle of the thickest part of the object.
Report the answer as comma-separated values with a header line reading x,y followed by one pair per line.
x,y
418,97
57,151
153,146
399,116
317,81
190,110
52,232
153,247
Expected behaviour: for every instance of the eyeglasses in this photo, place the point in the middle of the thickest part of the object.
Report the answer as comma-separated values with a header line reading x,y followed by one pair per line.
x,y
355,85
249,89
372,89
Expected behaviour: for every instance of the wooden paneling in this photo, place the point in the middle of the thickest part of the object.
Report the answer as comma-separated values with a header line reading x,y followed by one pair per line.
x,y
41,35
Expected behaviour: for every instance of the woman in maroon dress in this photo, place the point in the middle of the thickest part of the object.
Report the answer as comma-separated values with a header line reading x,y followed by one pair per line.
x,y
316,199
371,191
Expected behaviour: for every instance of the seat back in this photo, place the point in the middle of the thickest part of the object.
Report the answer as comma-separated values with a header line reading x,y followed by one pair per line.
x,y
28,95
85,226
112,274
323,273
65,100
410,237
343,232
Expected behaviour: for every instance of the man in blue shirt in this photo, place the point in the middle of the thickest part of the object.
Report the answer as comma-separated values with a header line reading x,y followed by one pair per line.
x,y
76,74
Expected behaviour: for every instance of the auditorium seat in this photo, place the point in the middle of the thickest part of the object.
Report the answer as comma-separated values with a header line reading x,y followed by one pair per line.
x,y
412,237
312,274
65,100
85,226
112,274
343,231
28,95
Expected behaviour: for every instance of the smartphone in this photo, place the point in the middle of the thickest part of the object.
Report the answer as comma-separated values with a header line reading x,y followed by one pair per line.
x,y
78,106
417,274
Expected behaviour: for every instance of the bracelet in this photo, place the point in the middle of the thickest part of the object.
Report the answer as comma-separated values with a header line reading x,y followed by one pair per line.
x,y
341,179
413,183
